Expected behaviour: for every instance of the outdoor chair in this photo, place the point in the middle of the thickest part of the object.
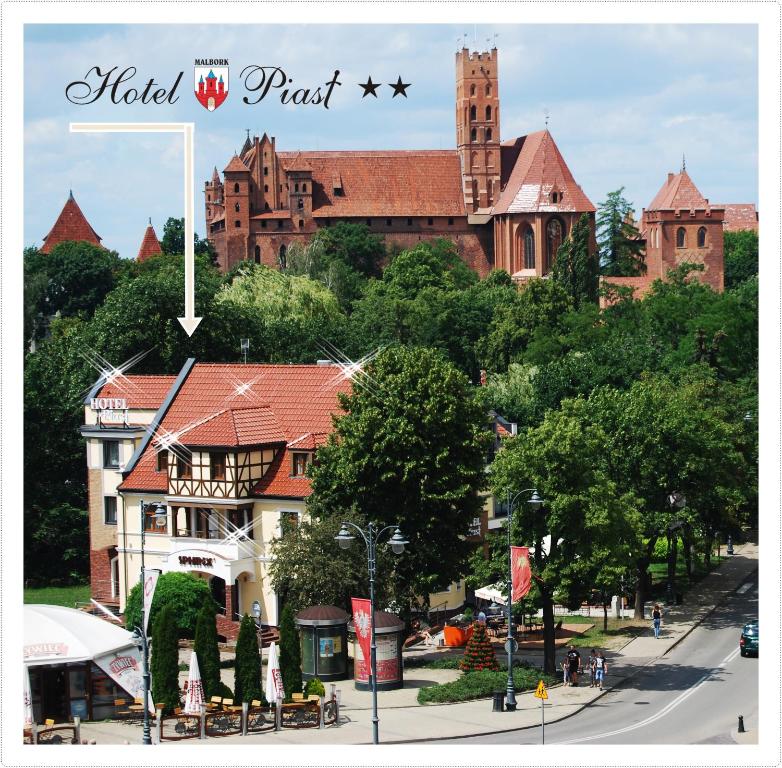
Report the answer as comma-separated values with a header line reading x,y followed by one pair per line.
x,y
216,702
297,697
49,722
313,697
255,704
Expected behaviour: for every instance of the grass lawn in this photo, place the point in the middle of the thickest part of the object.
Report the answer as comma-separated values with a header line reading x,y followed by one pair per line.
x,y
66,596
618,633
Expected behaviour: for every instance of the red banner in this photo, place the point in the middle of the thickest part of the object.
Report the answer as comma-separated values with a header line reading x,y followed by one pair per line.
x,y
361,621
521,572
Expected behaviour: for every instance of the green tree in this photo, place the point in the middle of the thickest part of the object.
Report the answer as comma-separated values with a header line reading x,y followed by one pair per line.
x,y
410,450
183,591
247,672
164,662
290,653
173,240
479,652
206,649
741,256
575,267
618,240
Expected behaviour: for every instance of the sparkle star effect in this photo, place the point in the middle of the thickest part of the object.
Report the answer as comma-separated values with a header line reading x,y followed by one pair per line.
x,y
111,374
244,389
352,370
399,87
369,87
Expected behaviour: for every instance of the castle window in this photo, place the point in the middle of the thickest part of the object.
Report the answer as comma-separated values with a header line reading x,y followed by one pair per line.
x,y
303,187
300,203
296,187
450,221
473,135
488,89
265,170
473,112
554,235
430,221
702,237
488,113
409,222
266,207
283,256
529,248
237,224
263,223
279,223
339,192
388,222
301,223
208,198
237,207
265,187
488,134
681,238
257,254
236,189
369,222
472,90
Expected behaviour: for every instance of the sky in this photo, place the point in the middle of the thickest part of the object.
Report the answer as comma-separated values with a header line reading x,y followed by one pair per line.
x,y
624,104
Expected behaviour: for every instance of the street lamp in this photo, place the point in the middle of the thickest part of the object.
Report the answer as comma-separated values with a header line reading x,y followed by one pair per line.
x,y
535,503
397,543
160,514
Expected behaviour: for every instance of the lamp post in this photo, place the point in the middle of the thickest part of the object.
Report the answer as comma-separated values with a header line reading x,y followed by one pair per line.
x,y
535,502
397,543
161,517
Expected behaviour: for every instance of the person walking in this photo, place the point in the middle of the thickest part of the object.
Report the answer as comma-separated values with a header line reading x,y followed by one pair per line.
x,y
574,665
657,617
591,662
601,667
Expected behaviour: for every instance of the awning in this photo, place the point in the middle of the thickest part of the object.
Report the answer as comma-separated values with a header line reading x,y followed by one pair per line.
x,y
491,592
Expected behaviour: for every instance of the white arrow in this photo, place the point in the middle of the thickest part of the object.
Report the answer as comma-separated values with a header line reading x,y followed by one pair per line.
x,y
189,321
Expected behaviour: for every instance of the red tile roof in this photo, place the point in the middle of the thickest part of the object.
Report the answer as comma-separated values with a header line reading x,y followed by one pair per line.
x,y
235,165
309,442
299,163
142,392
71,224
384,183
279,483
678,193
150,245
145,476
281,214
739,216
251,404
539,170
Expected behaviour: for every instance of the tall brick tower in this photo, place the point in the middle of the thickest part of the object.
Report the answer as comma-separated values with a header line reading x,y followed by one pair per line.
x,y
478,127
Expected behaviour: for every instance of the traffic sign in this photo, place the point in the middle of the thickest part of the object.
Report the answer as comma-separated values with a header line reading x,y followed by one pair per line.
x,y
511,645
541,692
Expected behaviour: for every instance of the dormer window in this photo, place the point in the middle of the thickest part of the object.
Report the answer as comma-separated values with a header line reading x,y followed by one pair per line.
x,y
162,462
300,463
556,197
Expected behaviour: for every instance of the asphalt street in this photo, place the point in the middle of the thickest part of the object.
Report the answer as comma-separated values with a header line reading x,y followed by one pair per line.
x,y
692,695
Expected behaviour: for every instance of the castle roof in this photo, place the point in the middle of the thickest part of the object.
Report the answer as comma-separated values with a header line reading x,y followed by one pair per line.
x,y
678,193
299,163
150,245
71,224
739,216
538,169
235,165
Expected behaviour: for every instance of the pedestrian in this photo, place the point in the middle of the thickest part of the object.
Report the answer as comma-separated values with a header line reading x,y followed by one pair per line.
x,y
601,667
657,617
574,665
482,617
591,662
565,668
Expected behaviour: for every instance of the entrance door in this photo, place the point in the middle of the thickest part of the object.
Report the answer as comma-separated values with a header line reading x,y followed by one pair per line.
x,y
217,586
54,693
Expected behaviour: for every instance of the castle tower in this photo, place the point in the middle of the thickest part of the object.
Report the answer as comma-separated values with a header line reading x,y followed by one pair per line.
x,y
150,245
478,127
237,209
72,225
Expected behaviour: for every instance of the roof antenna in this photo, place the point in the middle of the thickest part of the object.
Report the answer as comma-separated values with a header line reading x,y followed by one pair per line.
x,y
150,221
546,115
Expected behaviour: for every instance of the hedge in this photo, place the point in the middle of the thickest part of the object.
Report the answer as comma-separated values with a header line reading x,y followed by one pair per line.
x,y
482,684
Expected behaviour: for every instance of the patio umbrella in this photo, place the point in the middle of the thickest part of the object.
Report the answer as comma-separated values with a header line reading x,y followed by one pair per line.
x,y
273,676
28,700
195,688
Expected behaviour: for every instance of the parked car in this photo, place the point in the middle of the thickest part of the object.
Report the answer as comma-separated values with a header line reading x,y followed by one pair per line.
x,y
749,642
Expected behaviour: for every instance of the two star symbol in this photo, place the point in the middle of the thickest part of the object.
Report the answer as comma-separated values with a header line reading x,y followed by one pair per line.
x,y
371,88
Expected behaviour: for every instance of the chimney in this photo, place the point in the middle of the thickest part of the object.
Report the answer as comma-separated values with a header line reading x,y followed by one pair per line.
x,y
670,178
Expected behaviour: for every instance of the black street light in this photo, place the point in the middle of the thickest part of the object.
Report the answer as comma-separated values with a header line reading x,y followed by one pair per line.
x,y
536,503
397,543
161,517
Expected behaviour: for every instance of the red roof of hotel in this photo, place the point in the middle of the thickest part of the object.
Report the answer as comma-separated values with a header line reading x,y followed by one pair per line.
x,y
71,224
679,193
150,245
278,482
142,392
739,216
235,405
538,170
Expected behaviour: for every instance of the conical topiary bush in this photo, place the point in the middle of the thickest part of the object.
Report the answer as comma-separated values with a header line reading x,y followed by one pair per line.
x,y
479,653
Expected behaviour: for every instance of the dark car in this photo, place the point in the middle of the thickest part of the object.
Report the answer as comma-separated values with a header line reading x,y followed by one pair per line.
x,y
748,642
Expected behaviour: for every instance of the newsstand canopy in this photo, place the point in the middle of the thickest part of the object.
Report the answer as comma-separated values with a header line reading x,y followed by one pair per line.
x,y
385,621
321,616
57,635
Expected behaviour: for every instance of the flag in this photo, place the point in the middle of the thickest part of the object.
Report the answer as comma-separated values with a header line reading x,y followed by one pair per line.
x,y
150,582
521,573
362,611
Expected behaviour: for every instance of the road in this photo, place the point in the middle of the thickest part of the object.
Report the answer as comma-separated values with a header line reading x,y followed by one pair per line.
x,y
693,695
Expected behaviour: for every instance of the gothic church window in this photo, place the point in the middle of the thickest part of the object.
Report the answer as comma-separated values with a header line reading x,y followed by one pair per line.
x,y
681,238
488,134
702,237
488,113
472,90
488,89
473,135
554,233
236,189
473,112
529,248
237,207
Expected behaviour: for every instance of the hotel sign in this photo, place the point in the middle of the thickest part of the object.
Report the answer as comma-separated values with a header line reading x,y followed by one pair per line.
x,y
110,410
196,561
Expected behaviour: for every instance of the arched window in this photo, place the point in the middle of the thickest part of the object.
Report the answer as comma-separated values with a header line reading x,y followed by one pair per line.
x,y
554,236
681,238
265,170
472,90
257,254
702,237
303,187
301,203
473,135
283,256
473,159
488,113
488,89
265,187
488,134
296,187
473,113
529,248
237,207
236,189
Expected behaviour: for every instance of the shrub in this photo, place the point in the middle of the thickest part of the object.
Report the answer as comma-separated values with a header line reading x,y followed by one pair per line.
x,y
290,654
206,649
185,592
247,672
164,665
481,684
315,687
479,653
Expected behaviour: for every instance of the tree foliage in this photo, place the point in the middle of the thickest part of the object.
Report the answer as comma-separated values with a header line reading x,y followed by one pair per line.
x,y
576,267
207,651
741,256
290,653
618,240
173,240
479,652
164,662
247,672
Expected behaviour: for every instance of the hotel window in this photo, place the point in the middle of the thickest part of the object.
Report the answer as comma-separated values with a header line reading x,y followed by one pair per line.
x,y
681,238
217,462
150,522
241,519
702,237
110,510
184,468
289,522
300,463
162,461
111,454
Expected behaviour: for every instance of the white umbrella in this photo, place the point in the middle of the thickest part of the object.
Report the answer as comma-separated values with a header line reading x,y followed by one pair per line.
x,y
195,688
28,700
491,592
273,677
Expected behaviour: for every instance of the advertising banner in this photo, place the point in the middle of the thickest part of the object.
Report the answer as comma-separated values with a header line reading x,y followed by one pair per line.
x,y
362,611
520,572
126,670
150,582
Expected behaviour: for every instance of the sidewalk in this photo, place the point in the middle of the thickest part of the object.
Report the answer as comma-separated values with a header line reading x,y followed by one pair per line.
x,y
402,719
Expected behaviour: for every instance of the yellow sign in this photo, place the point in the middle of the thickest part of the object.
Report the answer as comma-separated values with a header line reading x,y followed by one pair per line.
x,y
541,692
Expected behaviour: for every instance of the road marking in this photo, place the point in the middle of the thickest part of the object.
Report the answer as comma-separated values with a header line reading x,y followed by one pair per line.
x,y
744,588
664,711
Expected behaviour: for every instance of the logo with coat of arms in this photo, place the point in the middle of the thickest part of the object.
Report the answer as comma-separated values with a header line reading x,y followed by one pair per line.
x,y
211,82
361,622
